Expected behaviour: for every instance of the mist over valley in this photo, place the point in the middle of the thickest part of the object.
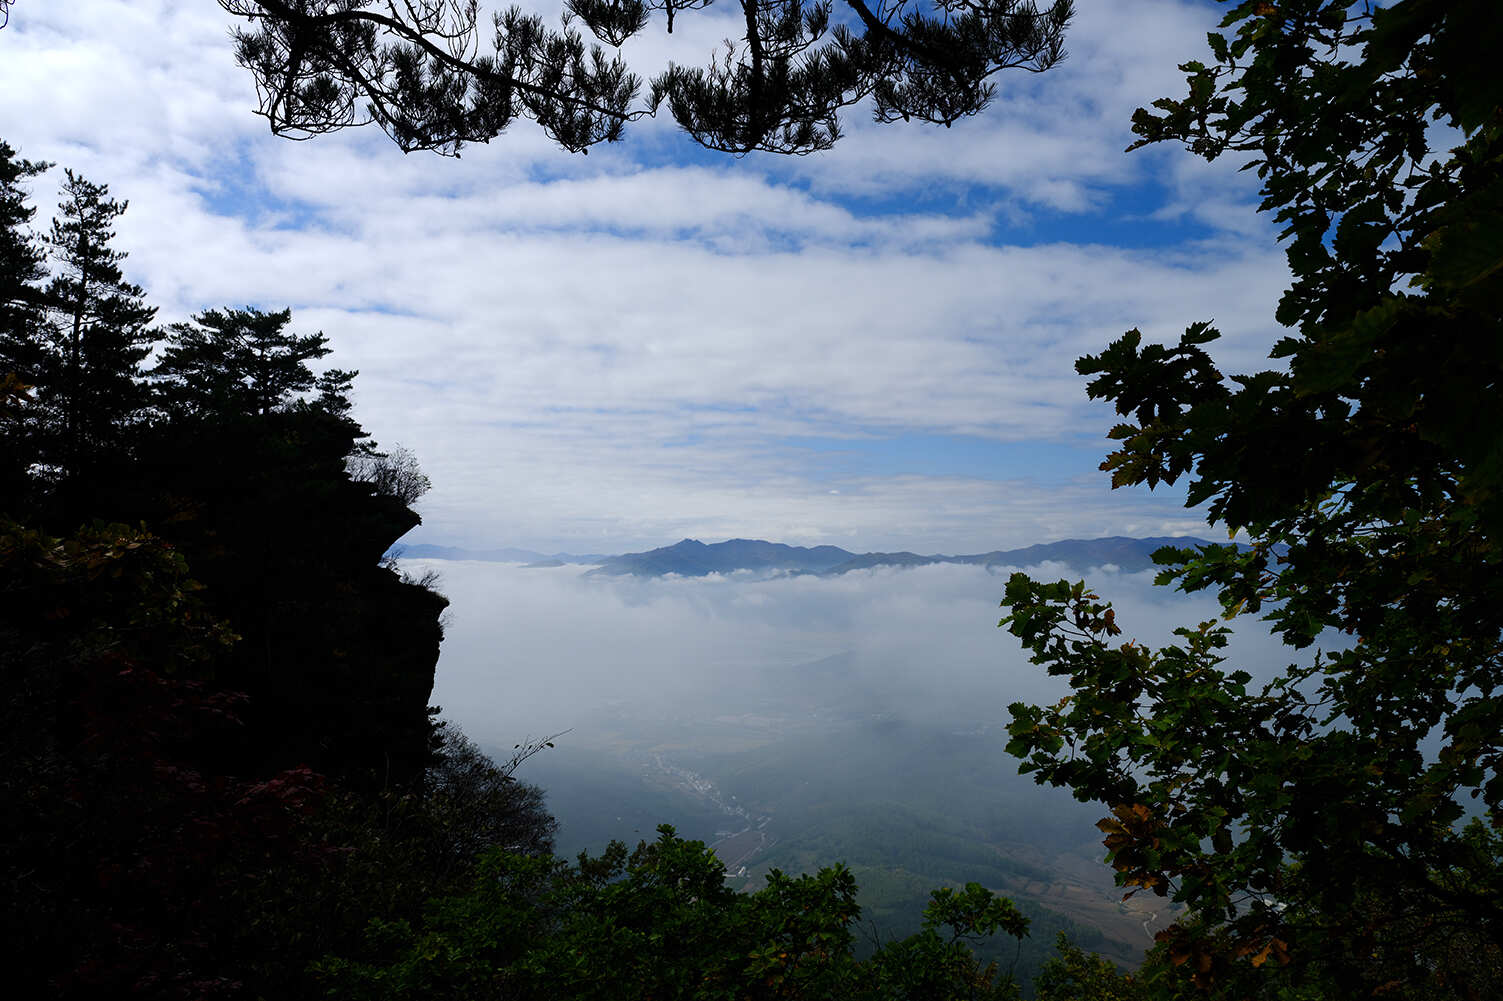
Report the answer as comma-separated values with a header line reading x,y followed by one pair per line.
x,y
793,720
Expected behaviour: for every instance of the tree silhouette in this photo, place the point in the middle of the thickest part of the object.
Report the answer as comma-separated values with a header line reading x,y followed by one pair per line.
x,y
22,268
22,345
90,380
235,362
420,70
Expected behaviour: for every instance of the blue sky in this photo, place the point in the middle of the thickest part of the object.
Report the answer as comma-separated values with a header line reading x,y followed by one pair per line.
x,y
872,347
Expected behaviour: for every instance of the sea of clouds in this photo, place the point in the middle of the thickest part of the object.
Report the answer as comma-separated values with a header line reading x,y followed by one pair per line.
x,y
541,650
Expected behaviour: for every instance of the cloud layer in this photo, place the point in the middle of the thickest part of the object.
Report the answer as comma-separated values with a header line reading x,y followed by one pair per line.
x,y
534,651
611,352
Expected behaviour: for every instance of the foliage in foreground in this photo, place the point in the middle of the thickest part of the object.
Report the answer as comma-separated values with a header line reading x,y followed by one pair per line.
x,y
433,75
659,922
1314,824
1076,975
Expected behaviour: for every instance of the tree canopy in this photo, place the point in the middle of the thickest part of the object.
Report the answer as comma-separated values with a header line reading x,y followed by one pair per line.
x,y
236,361
434,77
1315,824
660,922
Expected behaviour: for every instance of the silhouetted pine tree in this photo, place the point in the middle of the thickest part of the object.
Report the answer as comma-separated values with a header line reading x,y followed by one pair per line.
x,y
21,346
98,331
237,362
22,266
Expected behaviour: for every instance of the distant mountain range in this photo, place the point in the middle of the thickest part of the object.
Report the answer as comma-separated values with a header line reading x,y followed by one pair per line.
x,y
692,558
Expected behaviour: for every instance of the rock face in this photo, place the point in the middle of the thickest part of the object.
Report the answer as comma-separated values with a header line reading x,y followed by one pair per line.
x,y
336,651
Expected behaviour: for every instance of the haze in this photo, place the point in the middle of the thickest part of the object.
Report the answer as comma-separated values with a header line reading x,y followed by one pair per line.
x,y
530,651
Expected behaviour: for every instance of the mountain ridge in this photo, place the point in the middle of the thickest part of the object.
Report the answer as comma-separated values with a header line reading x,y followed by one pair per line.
x,y
693,558
1127,553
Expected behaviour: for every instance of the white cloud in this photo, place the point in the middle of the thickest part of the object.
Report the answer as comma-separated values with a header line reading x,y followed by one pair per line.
x,y
523,644
609,348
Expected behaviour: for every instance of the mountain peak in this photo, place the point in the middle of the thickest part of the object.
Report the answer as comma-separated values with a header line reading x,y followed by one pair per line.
x,y
692,558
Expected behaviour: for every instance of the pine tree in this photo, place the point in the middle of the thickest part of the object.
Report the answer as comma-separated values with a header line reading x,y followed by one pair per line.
x,y
21,267
437,74
21,347
99,333
239,362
